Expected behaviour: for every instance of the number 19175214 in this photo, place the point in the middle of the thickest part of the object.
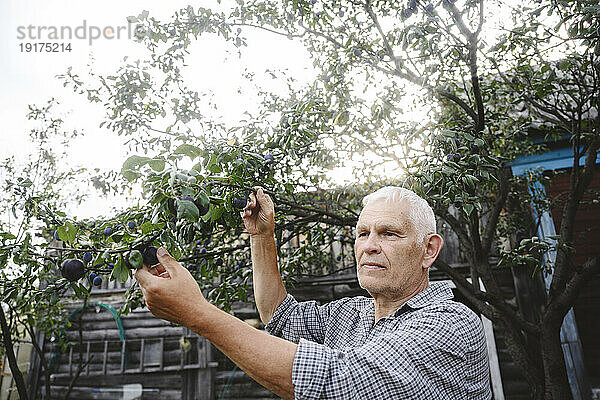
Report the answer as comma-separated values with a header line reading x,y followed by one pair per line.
x,y
45,47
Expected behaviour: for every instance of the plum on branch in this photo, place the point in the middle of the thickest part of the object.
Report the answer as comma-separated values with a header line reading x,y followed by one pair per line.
x,y
73,269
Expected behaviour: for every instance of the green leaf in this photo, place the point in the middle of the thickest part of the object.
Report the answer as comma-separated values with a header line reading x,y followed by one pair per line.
x,y
120,272
469,182
341,118
157,164
128,170
289,188
216,214
80,290
84,290
203,199
448,170
188,150
187,210
148,227
7,235
207,217
468,208
67,232
215,168
135,259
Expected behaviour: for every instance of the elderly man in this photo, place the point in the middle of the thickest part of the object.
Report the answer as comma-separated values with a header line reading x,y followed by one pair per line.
x,y
409,341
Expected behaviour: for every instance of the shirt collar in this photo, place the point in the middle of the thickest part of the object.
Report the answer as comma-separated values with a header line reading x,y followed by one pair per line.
x,y
436,292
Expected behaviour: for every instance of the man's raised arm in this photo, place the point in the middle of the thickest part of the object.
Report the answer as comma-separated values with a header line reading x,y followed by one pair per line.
x,y
259,220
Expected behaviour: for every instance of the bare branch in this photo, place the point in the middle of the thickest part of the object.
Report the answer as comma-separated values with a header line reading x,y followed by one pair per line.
x,y
582,276
489,305
456,226
578,186
490,229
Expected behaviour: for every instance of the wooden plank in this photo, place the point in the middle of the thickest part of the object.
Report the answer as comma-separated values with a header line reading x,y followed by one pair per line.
x,y
182,358
570,365
495,376
35,368
87,357
201,345
577,356
150,379
162,351
205,384
111,392
136,333
114,358
71,360
198,384
104,358
142,350
123,349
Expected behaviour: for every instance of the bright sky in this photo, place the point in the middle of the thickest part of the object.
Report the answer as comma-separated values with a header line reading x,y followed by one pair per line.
x,y
29,78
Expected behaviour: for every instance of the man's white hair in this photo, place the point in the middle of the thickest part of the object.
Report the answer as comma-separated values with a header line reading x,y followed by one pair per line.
x,y
419,212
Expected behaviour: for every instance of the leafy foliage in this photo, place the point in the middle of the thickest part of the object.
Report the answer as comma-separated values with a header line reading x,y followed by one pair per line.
x,y
482,100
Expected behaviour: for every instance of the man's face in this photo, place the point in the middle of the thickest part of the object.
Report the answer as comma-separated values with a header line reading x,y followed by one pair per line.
x,y
389,257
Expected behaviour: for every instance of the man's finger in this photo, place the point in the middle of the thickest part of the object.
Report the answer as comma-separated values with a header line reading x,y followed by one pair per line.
x,y
261,195
143,276
251,200
157,270
264,199
250,205
170,264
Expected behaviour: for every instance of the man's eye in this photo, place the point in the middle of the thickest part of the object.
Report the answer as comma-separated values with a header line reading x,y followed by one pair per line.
x,y
390,234
363,234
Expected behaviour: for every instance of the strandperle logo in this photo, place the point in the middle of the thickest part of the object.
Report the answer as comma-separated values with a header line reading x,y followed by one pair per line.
x,y
81,32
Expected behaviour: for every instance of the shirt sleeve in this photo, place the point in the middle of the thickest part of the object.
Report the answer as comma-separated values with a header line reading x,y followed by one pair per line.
x,y
295,320
423,361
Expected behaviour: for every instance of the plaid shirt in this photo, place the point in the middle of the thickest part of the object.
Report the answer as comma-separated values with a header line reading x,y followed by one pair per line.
x,y
430,348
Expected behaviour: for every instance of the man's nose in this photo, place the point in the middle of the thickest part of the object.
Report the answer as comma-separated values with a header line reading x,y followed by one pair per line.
x,y
372,245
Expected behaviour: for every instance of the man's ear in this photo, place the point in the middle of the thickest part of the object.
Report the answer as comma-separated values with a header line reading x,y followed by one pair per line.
x,y
433,245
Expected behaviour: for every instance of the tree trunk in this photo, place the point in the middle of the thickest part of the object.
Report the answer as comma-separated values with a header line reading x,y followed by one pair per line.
x,y
530,369
555,373
10,354
43,364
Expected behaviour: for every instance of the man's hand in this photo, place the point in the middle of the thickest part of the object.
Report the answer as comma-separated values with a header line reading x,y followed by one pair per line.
x,y
259,214
259,220
175,295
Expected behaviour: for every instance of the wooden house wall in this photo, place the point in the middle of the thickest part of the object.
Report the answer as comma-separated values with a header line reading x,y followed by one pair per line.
x,y
587,244
165,374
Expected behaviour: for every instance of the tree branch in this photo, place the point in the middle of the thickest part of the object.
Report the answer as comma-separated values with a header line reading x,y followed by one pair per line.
x,y
472,38
566,299
578,186
411,77
490,228
456,226
40,354
10,354
489,305
539,106
386,43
